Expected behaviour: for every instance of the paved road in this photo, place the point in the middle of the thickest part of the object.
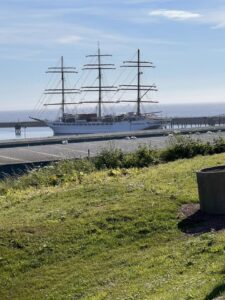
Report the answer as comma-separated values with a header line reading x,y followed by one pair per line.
x,y
31,154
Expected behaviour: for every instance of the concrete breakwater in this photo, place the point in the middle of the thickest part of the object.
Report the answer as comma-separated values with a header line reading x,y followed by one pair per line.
x,y
104,137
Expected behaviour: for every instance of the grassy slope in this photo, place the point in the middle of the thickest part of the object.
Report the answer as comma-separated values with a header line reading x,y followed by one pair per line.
x,y
110,237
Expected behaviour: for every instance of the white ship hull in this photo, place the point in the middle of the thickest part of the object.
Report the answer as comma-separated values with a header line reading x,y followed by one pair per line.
x,y
61,128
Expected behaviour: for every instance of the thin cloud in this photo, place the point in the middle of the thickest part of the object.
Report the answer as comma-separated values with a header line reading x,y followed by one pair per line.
x,y
179,15
217,18
69,40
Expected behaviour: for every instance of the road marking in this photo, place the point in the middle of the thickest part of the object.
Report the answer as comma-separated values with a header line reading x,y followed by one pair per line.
x,y
12,158
69,149
42,153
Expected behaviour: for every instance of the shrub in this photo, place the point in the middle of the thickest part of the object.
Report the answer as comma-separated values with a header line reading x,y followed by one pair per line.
x,y
218,145
144,156
185,147
109,158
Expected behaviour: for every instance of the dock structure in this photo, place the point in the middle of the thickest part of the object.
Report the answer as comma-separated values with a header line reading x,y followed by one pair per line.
x,y
23,124
185,122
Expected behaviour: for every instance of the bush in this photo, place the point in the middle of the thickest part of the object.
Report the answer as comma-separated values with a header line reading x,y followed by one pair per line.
x,y
114,158
218,145
144,156
185,147
109,159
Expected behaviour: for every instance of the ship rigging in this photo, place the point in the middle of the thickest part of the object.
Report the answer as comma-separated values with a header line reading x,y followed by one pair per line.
x,y
97,123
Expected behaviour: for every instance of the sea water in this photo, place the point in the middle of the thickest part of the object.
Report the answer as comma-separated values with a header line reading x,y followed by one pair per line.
x,y
29,132
167,110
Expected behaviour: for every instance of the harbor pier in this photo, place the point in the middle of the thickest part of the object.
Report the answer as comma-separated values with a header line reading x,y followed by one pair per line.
x,y
193,122
22,124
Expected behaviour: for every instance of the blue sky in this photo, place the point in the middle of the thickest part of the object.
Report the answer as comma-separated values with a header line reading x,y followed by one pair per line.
x,y
184,38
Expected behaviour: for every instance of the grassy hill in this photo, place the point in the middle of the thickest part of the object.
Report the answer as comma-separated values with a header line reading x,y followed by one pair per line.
x,y
108,235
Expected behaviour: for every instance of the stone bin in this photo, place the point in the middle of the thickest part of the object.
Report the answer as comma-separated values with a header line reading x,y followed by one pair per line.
x,y
211,188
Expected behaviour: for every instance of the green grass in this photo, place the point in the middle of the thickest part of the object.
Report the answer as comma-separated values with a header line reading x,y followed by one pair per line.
x,y
107,235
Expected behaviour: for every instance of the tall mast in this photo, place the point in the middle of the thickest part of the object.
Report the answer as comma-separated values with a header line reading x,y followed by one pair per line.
x,y
62,91
138,85
63,87
138,64
99,66
99,84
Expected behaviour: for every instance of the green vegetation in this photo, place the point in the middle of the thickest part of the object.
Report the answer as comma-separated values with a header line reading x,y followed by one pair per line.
x,y
76,231
178,147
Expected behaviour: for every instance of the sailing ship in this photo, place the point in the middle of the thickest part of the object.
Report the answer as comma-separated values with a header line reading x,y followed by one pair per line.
x,y
90,123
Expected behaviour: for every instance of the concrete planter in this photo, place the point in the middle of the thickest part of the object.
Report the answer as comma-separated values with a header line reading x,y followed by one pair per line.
x,y
211,188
